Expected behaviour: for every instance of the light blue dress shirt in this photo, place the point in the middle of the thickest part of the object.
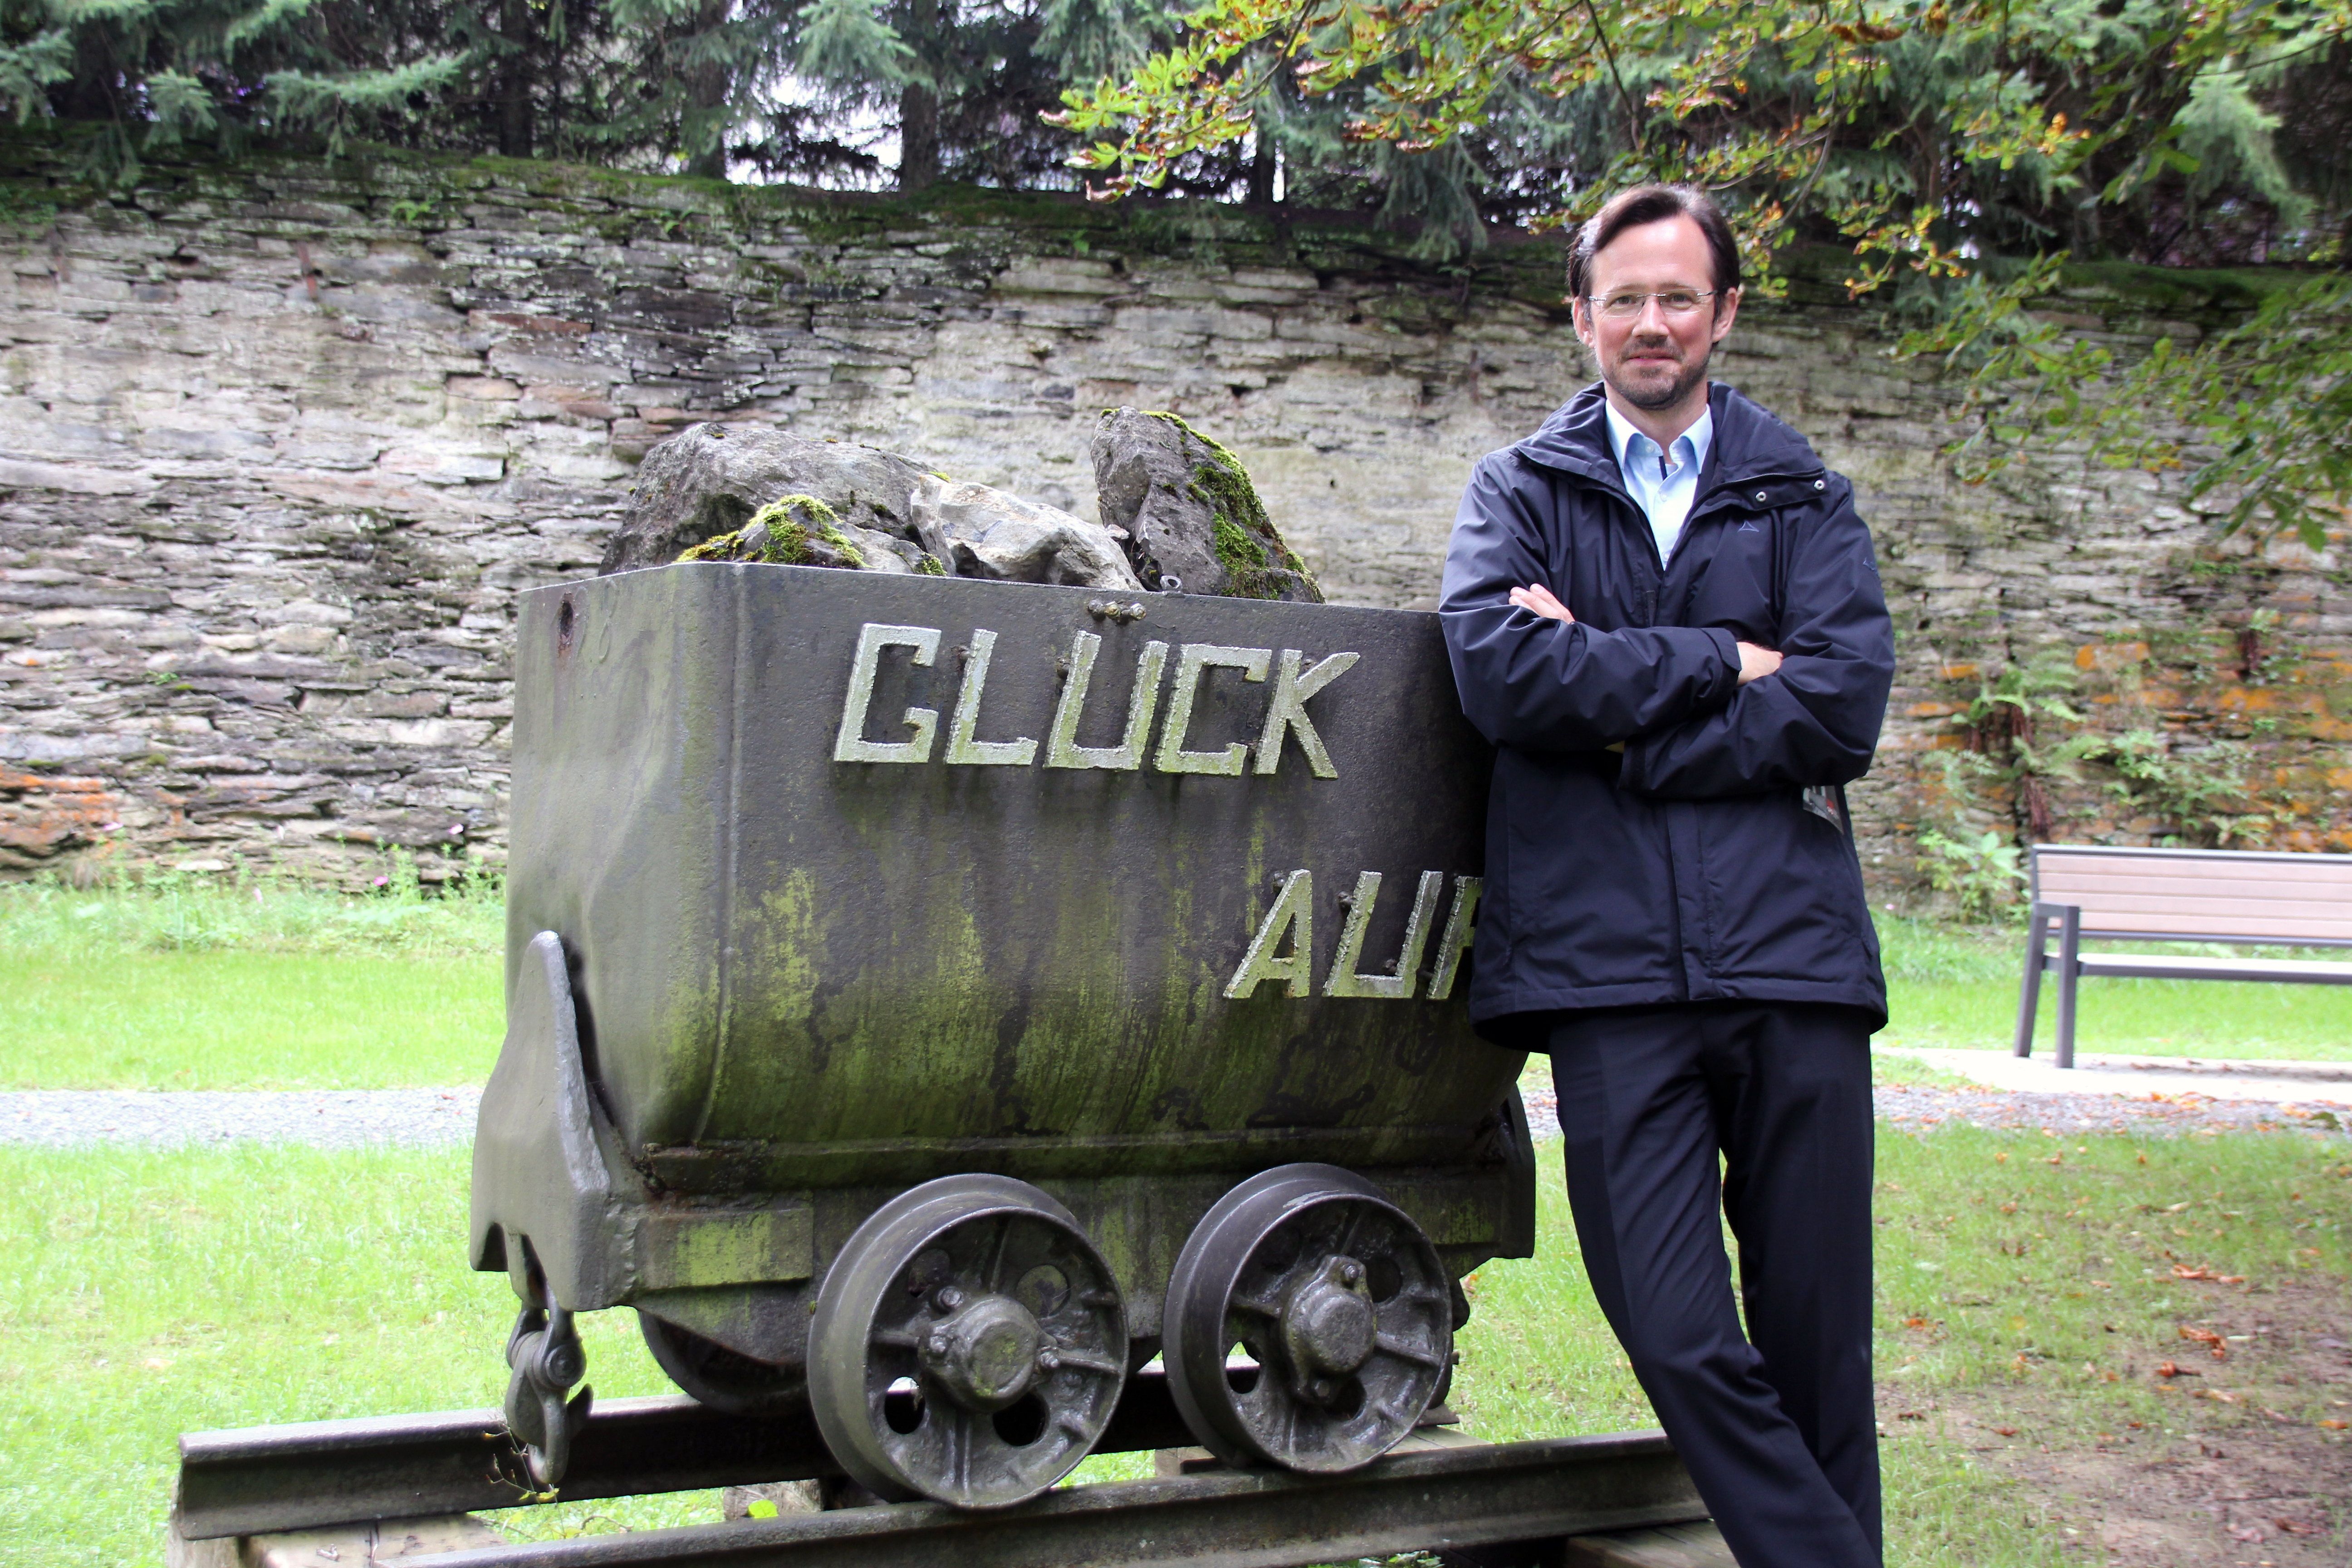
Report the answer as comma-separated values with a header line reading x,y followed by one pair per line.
x,y
1661,483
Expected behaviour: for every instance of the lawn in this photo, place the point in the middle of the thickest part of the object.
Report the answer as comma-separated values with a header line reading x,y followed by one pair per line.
x,y
1956,988
247,1020
2038,1279
153,1293
2029,1287
184,985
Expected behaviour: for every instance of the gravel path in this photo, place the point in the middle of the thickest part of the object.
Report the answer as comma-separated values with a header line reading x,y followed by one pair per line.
x,y
1911,1109
362,1117
322,1118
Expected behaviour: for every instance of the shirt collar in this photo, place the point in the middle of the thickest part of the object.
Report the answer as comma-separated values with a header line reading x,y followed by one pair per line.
x,y
1701,435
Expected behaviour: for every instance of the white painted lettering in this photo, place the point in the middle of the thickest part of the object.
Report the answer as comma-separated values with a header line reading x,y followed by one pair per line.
x,y
1293,915
963,749
1196,658
1062,748
1399,985
1289,711
1459,934
850,744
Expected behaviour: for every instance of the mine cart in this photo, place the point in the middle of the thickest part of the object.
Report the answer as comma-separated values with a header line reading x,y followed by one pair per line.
x,y
929,1000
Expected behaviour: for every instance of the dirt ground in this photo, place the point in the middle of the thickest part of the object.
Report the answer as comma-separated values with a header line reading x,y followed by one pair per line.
x,y
2235,1482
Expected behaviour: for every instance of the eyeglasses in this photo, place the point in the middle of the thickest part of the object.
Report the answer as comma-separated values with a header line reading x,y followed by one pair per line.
x,y
1626,306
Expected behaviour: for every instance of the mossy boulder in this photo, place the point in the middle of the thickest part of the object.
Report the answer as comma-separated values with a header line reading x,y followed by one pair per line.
x,y
753,492
711,480
1188,511
802,531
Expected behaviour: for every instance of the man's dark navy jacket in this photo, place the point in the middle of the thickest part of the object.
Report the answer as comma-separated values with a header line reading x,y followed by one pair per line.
x,y
1688,867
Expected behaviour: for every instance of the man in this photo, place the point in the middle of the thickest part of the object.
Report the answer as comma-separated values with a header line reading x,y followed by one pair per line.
x,y
1664,613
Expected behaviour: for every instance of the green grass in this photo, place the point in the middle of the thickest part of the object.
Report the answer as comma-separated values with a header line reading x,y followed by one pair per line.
x,y
2034,1306
186,984
1956,988
150,1294
247,1020
174,912
155,1293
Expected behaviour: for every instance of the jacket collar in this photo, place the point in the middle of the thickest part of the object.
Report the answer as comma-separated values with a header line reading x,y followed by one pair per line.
x,y
1748,445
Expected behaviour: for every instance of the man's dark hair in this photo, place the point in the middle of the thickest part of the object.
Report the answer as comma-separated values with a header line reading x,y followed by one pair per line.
x,y
1648,203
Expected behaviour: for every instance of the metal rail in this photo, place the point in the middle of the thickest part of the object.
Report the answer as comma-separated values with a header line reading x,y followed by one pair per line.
x,y
1440,1492
261,1480
1449,1498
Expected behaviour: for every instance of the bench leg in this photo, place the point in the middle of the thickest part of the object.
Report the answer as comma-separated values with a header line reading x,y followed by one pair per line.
x,y
2029,995
2070,970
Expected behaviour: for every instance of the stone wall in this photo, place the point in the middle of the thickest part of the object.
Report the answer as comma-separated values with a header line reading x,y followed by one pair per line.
x,y
278,446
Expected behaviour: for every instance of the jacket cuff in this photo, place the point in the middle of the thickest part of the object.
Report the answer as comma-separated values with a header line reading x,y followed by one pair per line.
x,y
1728,646
1638,765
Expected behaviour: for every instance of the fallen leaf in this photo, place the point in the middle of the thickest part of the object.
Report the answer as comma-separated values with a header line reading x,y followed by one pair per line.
x,y
1910,1416
2336,1426
2249,1533
1915,1323
2006,1431
2167,1369
2183,1271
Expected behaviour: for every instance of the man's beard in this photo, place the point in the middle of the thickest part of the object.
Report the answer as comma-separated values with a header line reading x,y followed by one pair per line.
x,y
1659,397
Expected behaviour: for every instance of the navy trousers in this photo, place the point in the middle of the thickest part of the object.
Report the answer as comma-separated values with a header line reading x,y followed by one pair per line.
x,y
1776,1423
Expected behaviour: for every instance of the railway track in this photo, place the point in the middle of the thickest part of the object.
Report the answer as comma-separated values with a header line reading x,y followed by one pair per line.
x,y
351,1494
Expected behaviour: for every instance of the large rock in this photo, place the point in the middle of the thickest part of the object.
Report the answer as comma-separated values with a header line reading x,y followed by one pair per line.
x,y
753,492
1190,511
982,532
802,531
712,480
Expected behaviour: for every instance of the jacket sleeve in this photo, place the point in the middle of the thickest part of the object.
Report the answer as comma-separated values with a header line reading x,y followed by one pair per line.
x,y
1549,686
1816,721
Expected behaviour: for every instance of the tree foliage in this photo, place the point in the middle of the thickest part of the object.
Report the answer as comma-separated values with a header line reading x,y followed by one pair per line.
x,y
792,89
1963,151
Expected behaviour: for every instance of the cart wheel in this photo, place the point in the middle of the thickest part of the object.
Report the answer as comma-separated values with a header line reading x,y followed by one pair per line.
x,y
1337,1297
721,1378
969,1344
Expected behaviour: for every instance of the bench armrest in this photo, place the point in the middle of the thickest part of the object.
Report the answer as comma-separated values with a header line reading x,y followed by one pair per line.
x,y
2039,912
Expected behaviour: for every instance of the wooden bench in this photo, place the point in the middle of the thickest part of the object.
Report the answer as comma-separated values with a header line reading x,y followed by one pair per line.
x,y
2243,898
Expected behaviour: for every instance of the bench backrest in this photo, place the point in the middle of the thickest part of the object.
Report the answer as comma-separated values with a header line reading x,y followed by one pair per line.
x,y
2207,895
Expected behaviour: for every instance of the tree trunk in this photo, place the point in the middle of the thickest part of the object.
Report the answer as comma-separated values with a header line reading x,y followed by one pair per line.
x,y
514,83
1261,166
707,86
918,105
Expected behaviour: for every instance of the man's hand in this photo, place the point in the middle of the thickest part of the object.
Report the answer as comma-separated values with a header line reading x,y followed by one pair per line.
x,y
1755,663
1537,600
